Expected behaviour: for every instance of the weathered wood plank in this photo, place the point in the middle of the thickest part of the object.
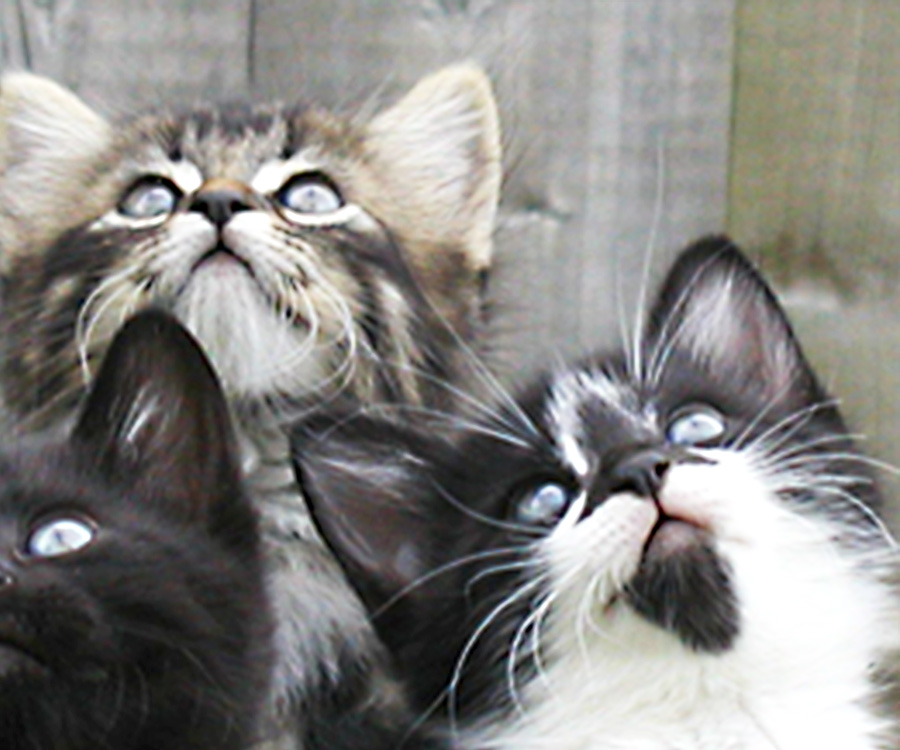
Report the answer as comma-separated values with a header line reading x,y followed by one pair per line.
x,y
616,112
125,53
815,189
617,121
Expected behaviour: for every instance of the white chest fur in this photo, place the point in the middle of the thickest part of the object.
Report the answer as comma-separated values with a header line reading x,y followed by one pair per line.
x,y
635,687
815,619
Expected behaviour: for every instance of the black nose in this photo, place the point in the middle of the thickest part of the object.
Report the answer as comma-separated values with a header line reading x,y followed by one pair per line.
x,y
220,199
639,469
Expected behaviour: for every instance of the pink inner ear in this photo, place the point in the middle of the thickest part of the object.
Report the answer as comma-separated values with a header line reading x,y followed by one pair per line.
x,y
732,327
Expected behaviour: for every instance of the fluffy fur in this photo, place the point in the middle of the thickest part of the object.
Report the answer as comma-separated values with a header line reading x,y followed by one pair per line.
x,y
309,254
674,548
132,612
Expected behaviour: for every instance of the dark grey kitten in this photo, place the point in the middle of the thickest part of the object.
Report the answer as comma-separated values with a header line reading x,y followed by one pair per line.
x,y
132,606
674,548
309,254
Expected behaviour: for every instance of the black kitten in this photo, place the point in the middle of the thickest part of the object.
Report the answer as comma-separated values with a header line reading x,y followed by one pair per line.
x,y
676,547
132,614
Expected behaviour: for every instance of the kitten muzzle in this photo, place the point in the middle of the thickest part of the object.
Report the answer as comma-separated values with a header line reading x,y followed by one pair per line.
x,y
682,583
222,254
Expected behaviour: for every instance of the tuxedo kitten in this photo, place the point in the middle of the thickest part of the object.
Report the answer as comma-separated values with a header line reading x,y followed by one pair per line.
x,y
132,614
309,254
676,548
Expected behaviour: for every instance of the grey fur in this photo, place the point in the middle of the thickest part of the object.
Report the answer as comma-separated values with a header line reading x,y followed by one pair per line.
x,y
380,298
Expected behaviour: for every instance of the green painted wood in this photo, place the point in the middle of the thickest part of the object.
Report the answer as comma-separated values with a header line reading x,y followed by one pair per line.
x,y
815,190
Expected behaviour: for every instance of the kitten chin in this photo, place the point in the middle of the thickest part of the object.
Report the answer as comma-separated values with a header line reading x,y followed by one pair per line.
x,y
679,548
224,307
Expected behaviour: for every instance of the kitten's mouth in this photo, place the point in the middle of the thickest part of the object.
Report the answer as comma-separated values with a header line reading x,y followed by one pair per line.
x,y
222,255
684,586
671,535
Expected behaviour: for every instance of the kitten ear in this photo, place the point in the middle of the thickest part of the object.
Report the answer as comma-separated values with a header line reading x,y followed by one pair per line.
x,y
440,147
715,306
364,482
156,417
38,117
49,147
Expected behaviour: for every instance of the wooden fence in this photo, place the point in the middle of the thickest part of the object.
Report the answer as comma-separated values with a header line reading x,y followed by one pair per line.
x,y
631,126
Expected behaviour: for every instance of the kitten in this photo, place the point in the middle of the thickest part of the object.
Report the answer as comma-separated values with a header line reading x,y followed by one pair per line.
x,y
305,251
131,608
676,549
309,254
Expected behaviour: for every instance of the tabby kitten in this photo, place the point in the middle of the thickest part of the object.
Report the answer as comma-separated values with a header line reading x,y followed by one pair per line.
x,y
676,549
131,608
309,254
305,251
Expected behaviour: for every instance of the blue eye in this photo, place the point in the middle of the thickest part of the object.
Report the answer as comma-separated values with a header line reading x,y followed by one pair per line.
x,y
58,537
149,198
543,504
310,193
697,425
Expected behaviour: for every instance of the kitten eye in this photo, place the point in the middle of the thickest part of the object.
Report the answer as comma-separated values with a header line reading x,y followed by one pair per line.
x,y
696,426
310,193
58,537
543,504
149,198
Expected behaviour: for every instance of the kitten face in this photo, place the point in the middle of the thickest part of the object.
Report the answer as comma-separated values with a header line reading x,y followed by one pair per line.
x,y
306,252
130,576
677,549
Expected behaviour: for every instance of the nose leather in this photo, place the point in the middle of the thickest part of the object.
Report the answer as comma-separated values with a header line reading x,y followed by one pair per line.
x,y
219,199
639,469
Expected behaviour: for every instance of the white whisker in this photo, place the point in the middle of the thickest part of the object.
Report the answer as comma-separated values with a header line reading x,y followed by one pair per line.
x,y
442,570
107,293
636,359
470,645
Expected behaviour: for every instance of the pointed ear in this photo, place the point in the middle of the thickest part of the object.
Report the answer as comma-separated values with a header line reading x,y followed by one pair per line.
x,y
367,486
440,147
156,417
49,147
40,118
715,306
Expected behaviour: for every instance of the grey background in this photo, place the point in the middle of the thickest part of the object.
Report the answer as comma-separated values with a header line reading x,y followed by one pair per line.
x,y
631,127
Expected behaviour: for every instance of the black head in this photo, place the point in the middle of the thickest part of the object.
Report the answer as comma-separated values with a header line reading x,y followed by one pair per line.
x,y
131,610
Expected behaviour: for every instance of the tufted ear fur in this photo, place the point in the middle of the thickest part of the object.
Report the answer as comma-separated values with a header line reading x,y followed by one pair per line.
x,y
41,118
49,142
366,483
442,145
715,307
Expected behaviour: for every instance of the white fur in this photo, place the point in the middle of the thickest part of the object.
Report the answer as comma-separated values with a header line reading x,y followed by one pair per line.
x,y
570,391
814,619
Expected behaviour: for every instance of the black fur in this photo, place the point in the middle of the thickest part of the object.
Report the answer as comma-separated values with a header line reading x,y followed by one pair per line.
x,y
155,634
425,527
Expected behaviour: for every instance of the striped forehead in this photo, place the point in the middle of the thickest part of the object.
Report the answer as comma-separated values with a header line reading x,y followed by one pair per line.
x,y
233,141
576,395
